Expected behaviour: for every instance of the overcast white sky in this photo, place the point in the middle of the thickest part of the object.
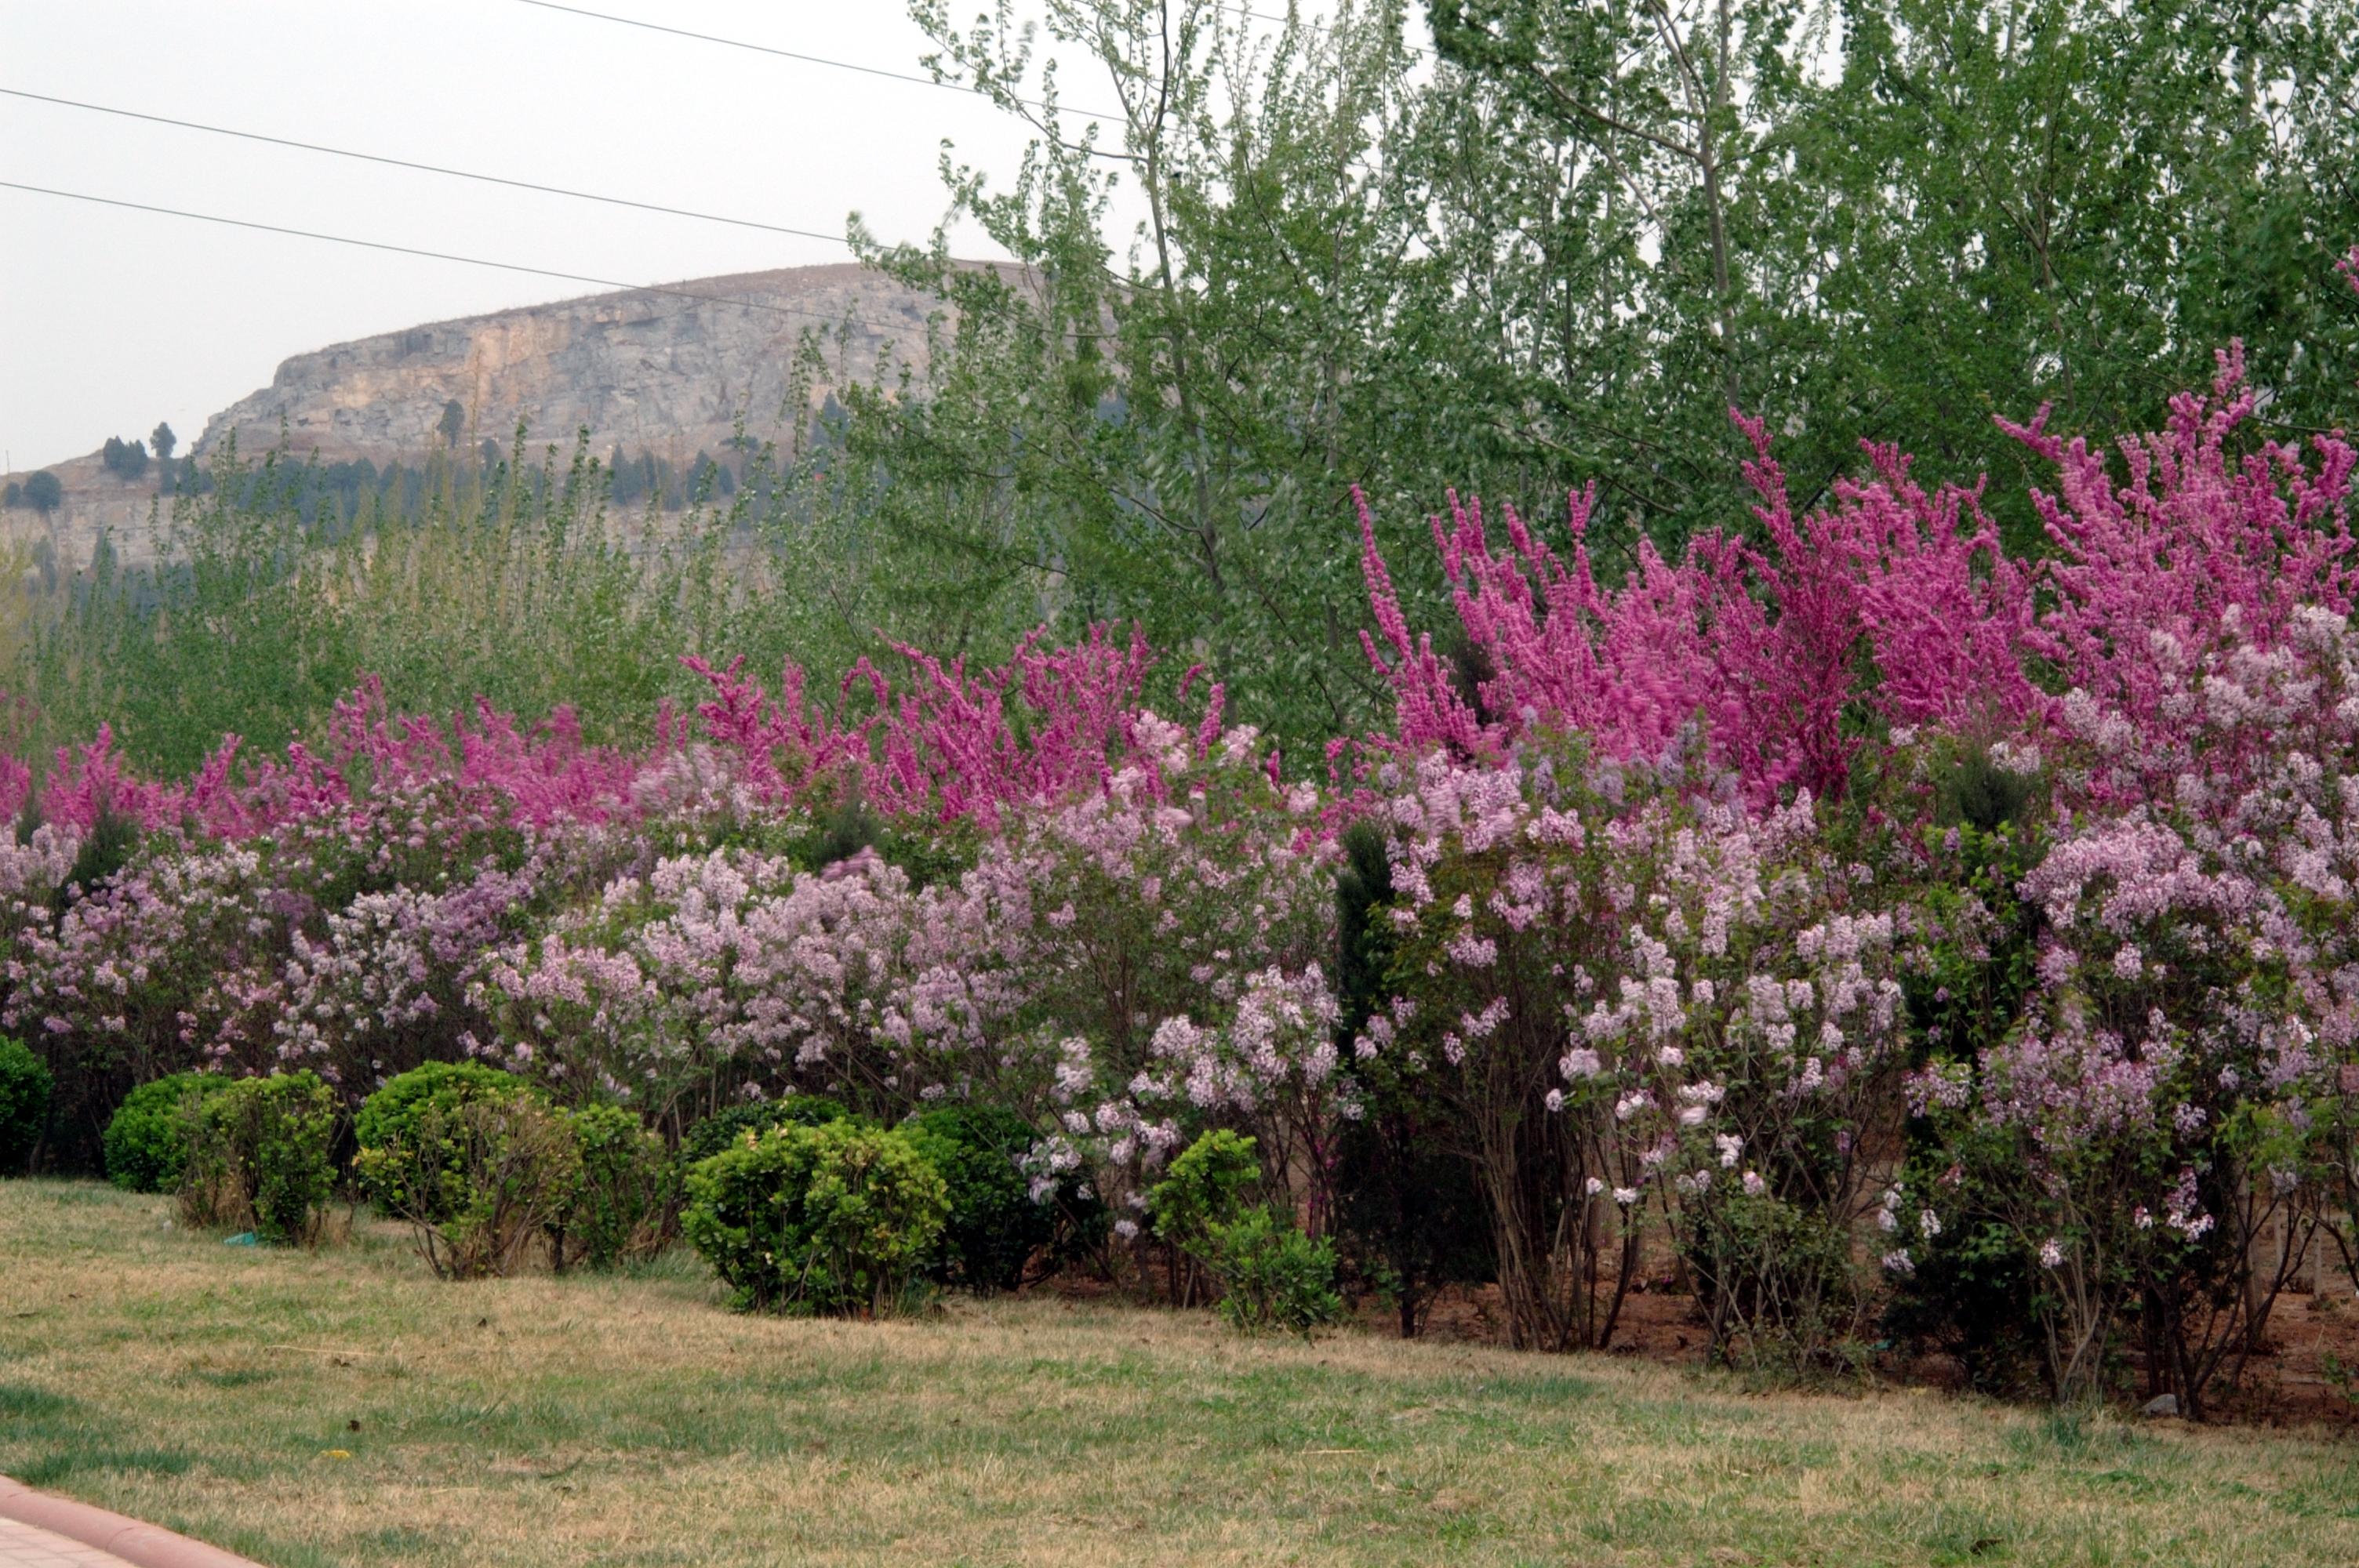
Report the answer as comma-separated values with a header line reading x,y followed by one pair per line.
x,y
111,320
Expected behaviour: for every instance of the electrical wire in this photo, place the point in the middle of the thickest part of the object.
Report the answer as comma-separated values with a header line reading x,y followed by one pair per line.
x,y
422,168
797,55
442,255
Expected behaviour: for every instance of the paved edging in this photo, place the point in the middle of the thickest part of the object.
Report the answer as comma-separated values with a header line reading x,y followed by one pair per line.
x,y
141,1545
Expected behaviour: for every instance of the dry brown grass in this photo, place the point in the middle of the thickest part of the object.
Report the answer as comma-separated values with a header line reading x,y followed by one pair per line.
x,y
341,1407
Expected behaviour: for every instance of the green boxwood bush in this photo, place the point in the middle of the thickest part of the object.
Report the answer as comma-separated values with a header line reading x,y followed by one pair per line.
x,y
723,1128
146,1145
258,1157
25,1086
994,1226
392,1122
477,1161
621,1200
479,1180
837,1218
1206,1185
1272,1277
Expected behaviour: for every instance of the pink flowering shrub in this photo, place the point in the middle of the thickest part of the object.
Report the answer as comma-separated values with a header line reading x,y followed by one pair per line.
x,y
1120,968
1635,1004
2177,1086
710,976
173,964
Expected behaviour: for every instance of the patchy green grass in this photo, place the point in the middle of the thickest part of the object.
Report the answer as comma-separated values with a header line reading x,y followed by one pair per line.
x,y
343,1408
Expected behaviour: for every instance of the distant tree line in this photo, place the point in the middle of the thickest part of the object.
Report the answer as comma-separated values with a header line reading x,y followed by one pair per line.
x,y
673,486
41,491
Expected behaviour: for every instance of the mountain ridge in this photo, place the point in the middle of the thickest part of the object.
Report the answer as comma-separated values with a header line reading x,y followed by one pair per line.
x,y
643,369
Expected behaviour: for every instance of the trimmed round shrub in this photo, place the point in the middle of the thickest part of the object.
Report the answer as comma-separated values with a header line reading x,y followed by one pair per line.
x,y
393,1120
839,1219
478,1173
25,1084
146,1145
620,1204
258,1157
1273,1276
995,1225
724,1127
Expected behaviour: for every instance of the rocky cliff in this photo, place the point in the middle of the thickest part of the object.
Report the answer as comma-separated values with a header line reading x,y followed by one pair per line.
x,y
649,371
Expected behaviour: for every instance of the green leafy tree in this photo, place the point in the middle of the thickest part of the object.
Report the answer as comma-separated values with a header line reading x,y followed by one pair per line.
x,y
1156,426
43,494
123,459
1279,259
1889,220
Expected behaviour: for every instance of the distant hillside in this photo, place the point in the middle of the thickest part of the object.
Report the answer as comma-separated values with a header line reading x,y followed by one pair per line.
x,y
651,372
645,371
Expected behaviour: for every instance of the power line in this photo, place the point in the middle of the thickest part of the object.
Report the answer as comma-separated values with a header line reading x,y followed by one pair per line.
x,y
850,65
793,54
422,168
444,255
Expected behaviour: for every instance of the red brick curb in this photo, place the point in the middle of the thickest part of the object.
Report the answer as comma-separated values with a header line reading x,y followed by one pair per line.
x,y
141,1545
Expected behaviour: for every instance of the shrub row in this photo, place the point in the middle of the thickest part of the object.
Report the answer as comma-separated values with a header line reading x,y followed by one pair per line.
x,y
1881,936
484,1166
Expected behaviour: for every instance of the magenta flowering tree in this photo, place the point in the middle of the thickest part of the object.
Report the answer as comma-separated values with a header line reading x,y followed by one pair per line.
x,y
2198,560
1892,601
953,745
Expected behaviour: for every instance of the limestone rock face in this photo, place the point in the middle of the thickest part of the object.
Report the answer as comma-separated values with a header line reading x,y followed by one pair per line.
x,y
650,371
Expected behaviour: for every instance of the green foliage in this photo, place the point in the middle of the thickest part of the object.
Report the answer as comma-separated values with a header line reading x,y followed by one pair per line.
x,y
123,459
1406,1202
994,1226
1364,887
282,584
620,1203
25,1084
479,1175
1974,1291
1272,1277
1974,1288
738,1123
394,1121
1777,1281
146,1144
258,1157
105,849
1206,1185
837,1218
42,493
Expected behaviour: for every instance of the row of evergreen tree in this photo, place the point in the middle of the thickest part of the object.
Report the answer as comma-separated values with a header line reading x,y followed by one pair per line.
x,y
338,493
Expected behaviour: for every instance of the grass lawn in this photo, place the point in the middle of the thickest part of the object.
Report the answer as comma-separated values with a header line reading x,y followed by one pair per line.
x,y
343,1408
